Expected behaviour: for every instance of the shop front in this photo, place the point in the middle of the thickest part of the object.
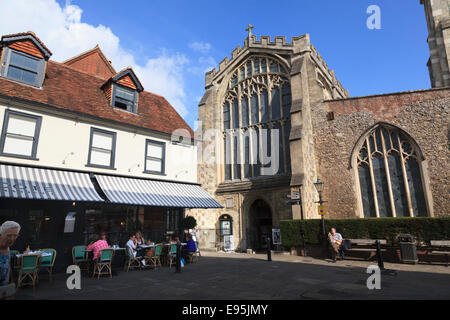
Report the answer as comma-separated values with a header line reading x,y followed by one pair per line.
x,y
60,209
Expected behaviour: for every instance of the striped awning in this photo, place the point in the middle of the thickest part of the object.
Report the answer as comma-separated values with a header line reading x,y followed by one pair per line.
x,y
155,193
46,184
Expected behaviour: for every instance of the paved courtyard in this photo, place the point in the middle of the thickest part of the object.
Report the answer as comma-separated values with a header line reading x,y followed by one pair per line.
x,y
224,276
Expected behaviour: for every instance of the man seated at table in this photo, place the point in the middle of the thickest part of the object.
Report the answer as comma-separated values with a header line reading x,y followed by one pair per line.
x,y
336,244
132,245
97,246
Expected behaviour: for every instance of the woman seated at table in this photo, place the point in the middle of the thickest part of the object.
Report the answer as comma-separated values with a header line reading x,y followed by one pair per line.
x,y
97,246
139,239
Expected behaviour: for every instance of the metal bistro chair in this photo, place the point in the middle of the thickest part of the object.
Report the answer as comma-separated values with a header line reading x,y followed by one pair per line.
x,y
192,255
172,254
197,251
155,260
104,261
80,257
131,262
29,268
48,262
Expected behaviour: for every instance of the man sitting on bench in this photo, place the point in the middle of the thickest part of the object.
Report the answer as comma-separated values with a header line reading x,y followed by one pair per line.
x,y
336,244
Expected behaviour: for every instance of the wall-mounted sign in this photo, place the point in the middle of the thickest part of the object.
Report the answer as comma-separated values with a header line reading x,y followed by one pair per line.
x,y
276,236
69,224
228,243
226,225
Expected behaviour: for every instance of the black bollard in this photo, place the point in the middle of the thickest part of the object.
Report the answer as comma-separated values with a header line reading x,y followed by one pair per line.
x,y
178,264
269,253
379,256
304,245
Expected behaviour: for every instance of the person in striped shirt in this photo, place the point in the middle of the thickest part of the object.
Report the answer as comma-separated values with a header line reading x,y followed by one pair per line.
x,y
97,246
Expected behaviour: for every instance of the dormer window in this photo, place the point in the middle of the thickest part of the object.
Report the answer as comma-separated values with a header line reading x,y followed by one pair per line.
x,y
122,90
24,58
24,68
124,98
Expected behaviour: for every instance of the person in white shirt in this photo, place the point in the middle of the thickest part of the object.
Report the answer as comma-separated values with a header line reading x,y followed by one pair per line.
x,y
131,244
336,244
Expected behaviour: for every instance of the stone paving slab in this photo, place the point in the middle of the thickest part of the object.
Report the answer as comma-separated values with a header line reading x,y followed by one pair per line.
x,y
220,276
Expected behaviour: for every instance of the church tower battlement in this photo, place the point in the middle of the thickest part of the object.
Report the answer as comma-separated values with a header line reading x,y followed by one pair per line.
x,y
298,45
437,14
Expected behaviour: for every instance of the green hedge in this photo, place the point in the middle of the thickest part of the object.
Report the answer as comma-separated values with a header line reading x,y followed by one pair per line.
x,y
423,229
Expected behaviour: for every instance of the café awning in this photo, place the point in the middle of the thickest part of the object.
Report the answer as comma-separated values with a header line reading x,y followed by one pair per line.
x,y
155,193
46,184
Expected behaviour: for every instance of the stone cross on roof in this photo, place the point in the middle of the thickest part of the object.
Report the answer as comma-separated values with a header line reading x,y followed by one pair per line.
x,y
249,29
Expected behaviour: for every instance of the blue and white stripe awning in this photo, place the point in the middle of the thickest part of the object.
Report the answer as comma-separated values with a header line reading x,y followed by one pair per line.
x,y
155,193
46,184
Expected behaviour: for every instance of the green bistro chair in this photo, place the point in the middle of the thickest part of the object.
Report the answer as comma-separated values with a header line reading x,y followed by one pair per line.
x,y
80,257
131,262
155,260
104,261
48,262
172,254
29,269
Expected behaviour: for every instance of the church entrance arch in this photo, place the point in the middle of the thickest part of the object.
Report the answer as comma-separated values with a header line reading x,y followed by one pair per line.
x,y
259,225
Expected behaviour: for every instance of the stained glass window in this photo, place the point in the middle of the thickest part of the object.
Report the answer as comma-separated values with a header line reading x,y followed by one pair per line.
x,y
389,175
258,94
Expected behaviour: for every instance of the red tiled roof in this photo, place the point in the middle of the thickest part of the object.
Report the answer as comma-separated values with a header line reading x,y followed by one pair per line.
x,y
70,89
28,33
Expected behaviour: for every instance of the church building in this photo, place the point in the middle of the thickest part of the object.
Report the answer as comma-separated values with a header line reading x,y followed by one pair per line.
x,y
275,120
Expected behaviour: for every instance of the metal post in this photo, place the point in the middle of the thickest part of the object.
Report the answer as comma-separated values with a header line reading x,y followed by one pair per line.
x,y
323,230
303,235
379,256
178,264
269,253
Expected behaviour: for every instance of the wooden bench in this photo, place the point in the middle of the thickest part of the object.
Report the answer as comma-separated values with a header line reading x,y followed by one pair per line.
x,y
440,247
366,245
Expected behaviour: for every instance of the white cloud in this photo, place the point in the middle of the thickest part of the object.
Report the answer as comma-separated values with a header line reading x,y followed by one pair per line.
x,y
202,47
64,33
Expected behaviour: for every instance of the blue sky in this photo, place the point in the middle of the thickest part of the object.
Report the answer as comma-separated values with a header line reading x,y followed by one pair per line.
x,y
172,43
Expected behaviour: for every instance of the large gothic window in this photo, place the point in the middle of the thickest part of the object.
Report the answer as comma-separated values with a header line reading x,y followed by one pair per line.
x,y
389,175
256,120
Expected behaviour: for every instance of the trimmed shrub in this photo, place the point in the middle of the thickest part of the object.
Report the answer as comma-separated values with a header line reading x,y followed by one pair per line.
x,y
188,222
423,229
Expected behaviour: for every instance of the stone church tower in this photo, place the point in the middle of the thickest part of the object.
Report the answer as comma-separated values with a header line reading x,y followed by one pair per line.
x,y
266,86
437,13
274,118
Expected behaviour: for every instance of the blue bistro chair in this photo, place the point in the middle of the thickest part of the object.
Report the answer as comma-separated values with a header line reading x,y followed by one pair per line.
x,y
80,257
104,261
29,269
48,261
